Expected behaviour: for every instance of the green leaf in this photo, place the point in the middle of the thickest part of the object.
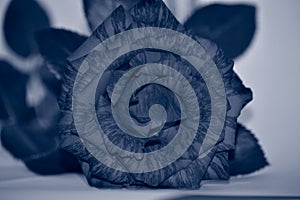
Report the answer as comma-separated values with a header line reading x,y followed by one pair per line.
x,y
22,19
13,93
55,45
232,27
248,156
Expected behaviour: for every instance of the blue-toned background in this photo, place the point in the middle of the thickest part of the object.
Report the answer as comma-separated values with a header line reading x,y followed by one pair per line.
x,y
270,67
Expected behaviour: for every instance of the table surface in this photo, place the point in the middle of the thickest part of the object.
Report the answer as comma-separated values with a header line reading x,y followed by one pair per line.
x,y
17,182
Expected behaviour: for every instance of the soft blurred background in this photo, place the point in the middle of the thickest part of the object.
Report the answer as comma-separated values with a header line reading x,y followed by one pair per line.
x,y
270,67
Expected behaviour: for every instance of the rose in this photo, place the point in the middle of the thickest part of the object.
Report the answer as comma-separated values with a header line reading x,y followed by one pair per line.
x,y
108,137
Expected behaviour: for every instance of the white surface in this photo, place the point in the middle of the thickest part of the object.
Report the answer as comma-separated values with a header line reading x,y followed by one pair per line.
x,y
270,67
17,182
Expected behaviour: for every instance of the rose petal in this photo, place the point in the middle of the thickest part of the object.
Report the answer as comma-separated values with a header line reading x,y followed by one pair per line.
x,y
97,11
